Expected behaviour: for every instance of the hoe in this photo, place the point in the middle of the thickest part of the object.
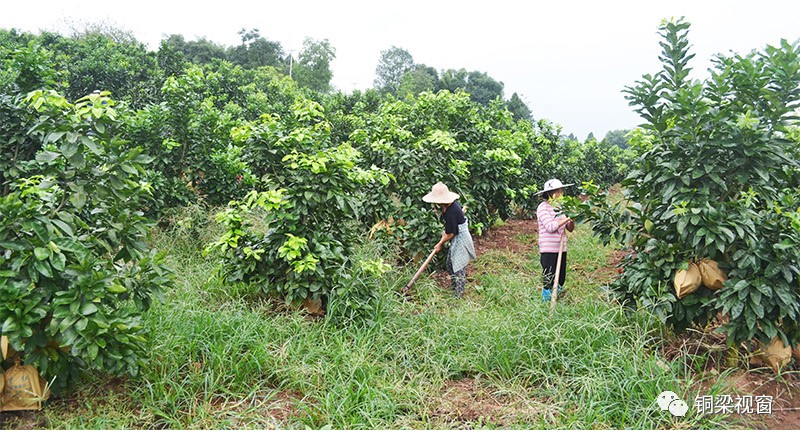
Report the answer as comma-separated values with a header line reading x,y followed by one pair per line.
x,y
419,272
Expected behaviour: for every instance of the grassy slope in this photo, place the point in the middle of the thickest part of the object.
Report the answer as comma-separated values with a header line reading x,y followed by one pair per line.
x,y
497,359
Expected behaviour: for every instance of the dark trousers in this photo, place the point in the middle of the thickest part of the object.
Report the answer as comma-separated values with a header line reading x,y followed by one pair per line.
x,y
549,260
458,279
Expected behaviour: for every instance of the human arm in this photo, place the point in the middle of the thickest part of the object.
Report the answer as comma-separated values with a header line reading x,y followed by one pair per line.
x,y
445,238
547,217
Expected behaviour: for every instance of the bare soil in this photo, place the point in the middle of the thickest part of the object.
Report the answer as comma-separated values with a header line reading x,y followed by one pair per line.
x,y
706,352
468,403
785,391
512,236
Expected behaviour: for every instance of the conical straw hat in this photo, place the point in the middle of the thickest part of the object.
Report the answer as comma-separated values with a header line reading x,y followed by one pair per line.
x,y
440,194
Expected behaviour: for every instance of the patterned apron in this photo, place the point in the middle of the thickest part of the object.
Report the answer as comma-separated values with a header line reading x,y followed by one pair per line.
x,y
462,249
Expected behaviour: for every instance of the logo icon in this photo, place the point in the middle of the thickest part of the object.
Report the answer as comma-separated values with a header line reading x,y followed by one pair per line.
x,y
669,401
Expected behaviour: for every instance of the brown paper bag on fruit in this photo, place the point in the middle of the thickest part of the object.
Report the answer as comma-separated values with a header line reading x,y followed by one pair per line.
x,y
687,281
713,277
313,306
3,347
776,354
2,387
24,388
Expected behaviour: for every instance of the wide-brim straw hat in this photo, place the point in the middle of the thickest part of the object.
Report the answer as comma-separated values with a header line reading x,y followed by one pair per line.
x,y
553,184
440,194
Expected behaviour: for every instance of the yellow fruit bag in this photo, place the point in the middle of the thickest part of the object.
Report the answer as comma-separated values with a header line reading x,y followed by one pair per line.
x,y
776,354
24,389
687,281
713,277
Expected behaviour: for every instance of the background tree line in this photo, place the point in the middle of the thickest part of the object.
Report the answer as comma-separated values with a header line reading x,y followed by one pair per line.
x,y
98,56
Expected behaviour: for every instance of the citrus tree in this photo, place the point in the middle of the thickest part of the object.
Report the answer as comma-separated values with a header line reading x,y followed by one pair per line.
x,y
296,236
717,179
479,151
76,272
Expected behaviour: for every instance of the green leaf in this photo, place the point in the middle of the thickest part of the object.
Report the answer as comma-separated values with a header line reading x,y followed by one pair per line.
x,y
88,308
92,350
63,226
9,326
116,288
78,199
66,323
43,268
727,232
750,318
136,156
12,245
41,253
54,137
59,261
66,244
736,309
41,232
46,157
785,296
128,168
761,173
78,161
682,222
92,145
758,309
69,150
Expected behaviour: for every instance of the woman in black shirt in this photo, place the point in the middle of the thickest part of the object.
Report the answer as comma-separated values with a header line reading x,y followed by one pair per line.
x,y
456,231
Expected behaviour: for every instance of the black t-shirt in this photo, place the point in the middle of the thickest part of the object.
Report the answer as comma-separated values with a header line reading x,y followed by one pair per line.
x,y
453,217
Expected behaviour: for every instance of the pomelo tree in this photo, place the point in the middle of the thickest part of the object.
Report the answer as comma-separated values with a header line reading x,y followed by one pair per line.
x,y
717,179
76,270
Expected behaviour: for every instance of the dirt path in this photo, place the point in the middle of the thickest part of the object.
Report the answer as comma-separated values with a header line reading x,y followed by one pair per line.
x,y
506,237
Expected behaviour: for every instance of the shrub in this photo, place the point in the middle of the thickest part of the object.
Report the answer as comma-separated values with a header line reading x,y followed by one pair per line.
x,y
308,213
75,271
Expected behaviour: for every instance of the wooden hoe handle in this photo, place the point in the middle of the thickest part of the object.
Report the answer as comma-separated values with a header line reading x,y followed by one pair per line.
x,y
554,292
419,271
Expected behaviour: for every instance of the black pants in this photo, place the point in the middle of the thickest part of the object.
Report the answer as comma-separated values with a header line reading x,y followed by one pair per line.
x,y
459,279
549,260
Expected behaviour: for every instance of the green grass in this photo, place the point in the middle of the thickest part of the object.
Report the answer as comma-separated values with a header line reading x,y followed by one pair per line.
x,y
222,362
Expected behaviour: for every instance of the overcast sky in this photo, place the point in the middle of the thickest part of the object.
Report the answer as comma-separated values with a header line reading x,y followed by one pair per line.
x,y
568,60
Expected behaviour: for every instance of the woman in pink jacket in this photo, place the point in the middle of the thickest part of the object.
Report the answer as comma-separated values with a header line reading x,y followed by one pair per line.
x,y
552,227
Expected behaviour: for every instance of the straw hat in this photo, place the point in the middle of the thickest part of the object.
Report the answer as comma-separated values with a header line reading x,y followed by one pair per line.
x,y
440,194
551,185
